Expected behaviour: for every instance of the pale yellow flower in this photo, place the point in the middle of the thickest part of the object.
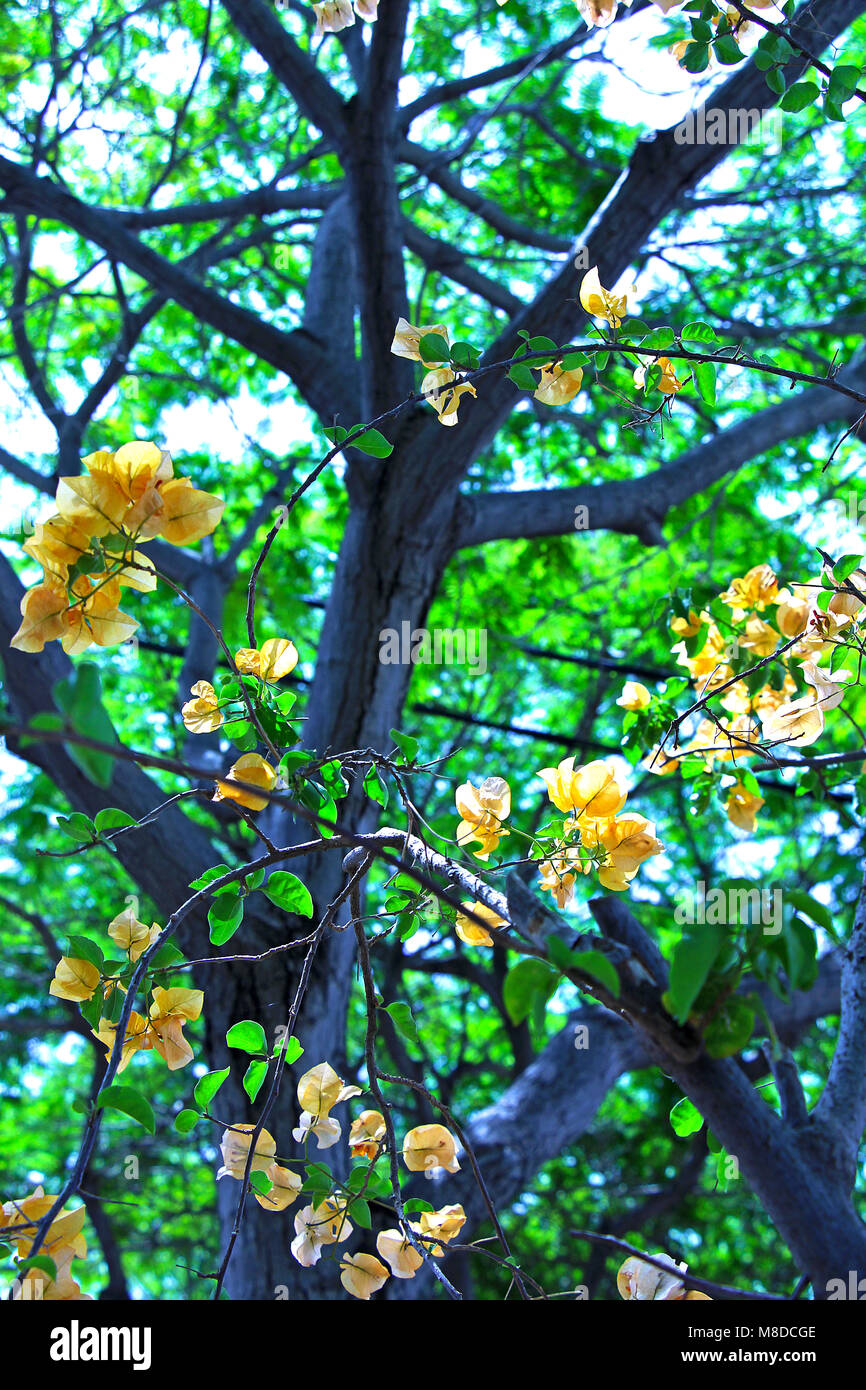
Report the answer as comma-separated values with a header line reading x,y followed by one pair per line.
x,y
595,299
202,715
407,338
253,769
402,1257
362,1275
428,1147
445,401
634,696
235,1148
472,932
742,807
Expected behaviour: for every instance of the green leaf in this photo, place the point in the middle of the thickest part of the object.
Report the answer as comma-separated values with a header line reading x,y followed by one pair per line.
x,y
843,82
698,332
434,350
403,1021
693,959
293,1050
248,1036
254,1078
705,380
78,827
80,699
727,50
845,567
375,785
599,967
660,339
526,982
801,95
730,1028
207,1087
465,355
336,434
224,916
43,1262
129,1102
685,1119
374,443
360,1214
811,908
407,744
255,880
112,819
522,377
287,891
696,58
209,876
186,1121
775,80
260,1182
83,949
167,956
417,1204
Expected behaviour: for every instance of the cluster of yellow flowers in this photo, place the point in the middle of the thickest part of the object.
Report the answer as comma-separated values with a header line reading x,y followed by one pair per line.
x,y
206,712
88,553
637,1279
63,1243
595,834
162,1030
425,1149
770,712
557,385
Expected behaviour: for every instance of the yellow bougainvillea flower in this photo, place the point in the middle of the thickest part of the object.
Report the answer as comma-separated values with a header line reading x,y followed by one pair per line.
x,y
277,658
799,721
138,1038
402,1258
661,763
845,604
628,840
742,807
634,696
428,1147
38,1284
202,714
235,1148
472,932
557,386
43,610
170,1010
590,791
820,636
64,1233
319,1226
94,617
688,627
252,768
74,979
829,688
326,1128
754,590
135,468
56,544
320,1089
362,1275
557,876
770,699
595,299
130,935
445,402
483,810
668,383
286,1188
759,637
597,13
407,338
444,1224
367,1135
792,613
187,513
367,9
95,504
637,1279
332,16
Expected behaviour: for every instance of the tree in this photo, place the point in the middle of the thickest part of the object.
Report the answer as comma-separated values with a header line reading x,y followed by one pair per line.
x,y
204,196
